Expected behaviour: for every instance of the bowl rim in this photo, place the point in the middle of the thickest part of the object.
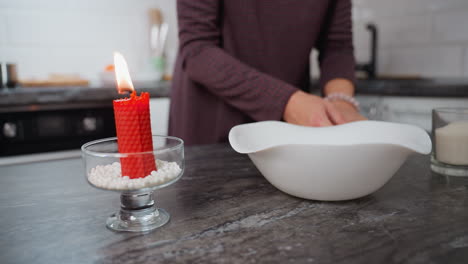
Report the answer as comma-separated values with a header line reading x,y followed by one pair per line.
x,y
86,151
422,148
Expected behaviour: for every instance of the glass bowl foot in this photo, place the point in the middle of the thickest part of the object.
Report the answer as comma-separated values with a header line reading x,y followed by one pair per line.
x,y
147,221
138,213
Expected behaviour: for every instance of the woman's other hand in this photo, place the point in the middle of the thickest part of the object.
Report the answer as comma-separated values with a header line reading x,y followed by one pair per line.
x,y
310,110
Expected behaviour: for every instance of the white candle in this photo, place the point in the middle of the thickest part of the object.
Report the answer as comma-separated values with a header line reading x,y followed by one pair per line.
x,y
452,143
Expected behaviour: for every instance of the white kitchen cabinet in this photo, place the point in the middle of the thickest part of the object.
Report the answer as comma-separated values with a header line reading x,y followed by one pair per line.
x,y
403,109
159,109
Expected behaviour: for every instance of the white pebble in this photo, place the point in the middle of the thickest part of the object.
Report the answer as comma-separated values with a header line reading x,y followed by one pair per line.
x,y
110,176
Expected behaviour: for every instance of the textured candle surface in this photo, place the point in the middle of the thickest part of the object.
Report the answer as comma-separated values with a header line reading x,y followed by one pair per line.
x,y
452,143
132,121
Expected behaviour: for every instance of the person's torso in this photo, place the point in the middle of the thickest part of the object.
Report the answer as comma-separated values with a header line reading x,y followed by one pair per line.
x,y
274,36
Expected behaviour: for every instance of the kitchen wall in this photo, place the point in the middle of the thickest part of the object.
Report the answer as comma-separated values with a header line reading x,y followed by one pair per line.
x,y
417,37
79,36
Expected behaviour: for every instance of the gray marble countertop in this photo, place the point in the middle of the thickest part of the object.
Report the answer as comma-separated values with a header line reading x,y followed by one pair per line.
x,y
224,211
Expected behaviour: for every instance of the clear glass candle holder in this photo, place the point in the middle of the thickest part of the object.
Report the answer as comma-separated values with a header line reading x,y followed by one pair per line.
x,y
450,141
138,212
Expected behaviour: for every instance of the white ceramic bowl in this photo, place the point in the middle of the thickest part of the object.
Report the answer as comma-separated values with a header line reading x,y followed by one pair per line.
x,y
329,163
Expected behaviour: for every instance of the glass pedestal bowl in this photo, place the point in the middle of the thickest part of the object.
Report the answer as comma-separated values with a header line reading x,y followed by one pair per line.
x,y
138,212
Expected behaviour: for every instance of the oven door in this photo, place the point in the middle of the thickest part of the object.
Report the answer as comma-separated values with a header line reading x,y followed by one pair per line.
x,y
34,129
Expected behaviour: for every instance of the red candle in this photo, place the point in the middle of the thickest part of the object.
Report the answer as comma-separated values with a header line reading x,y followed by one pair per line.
x,y
132,121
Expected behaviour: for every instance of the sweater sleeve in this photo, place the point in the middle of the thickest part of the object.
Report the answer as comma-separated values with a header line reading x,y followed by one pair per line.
x,y
335,46
257,94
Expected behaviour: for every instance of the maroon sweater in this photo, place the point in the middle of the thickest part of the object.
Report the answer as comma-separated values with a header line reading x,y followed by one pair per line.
x,y
240,60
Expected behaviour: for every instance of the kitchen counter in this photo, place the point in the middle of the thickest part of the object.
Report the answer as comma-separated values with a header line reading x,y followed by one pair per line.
x,y
224,211
427,87
39,96
438,87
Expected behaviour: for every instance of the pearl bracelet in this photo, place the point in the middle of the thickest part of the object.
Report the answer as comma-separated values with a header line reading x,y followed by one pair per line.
x,y
343,97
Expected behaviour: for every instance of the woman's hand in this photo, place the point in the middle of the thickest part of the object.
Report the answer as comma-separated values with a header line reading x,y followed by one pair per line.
x,y
310,110
347,111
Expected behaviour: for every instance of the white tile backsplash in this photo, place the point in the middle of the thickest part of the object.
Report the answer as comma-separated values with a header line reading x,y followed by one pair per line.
x,y
35,5
401,8
451,26
405,30
71,36
314,66
441,61
417,37
3,27
465,64
362,56
446,5
361,40
382,8
41,60
29,27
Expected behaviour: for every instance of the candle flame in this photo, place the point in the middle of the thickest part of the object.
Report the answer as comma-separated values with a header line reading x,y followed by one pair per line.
x,y
124,82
